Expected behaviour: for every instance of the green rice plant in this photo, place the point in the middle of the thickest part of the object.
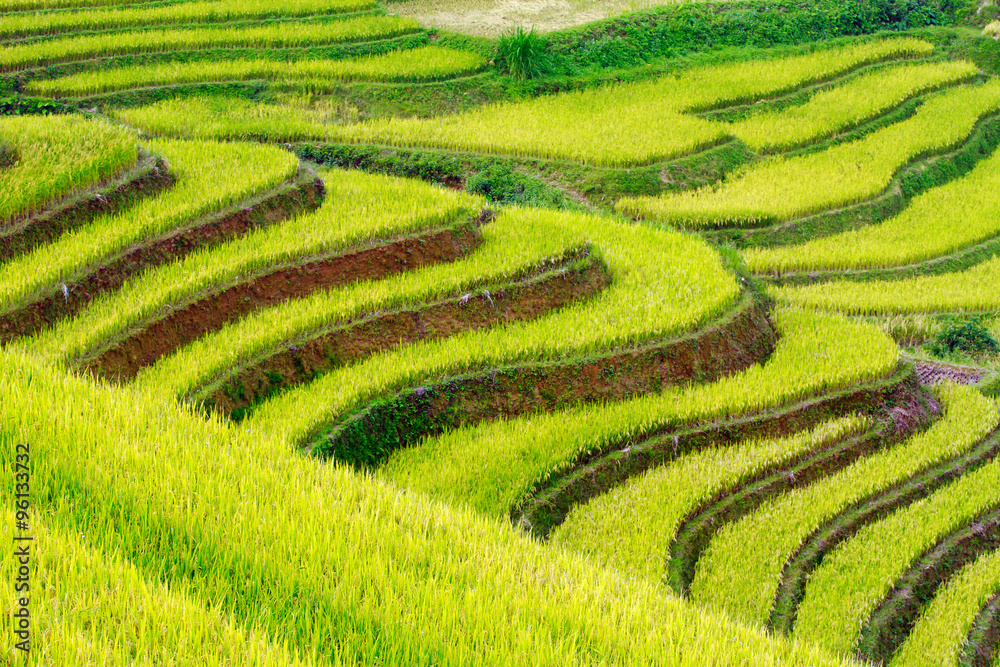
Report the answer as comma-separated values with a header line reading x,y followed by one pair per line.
x,y
57,156
213,11
621,125
970,290
940,633
846,106
508,248
522,53
662,284
741,569
225,118
354,570
938,222
493,466
421,64
44,5
208,176
110,614
612,126
358,209
631,526
851,581
286,34
781,188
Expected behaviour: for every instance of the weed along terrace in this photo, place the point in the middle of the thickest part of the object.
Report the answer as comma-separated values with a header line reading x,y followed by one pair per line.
x,y
338,333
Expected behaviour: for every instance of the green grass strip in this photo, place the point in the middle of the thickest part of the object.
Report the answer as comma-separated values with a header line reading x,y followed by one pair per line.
x,y
211,11
852,580
846,106
209,176
56,156
109,613
631,526
663,284
970,290
425,63
288,34
493,466
357,209
781,188
938,638
329,561
938,222
742,567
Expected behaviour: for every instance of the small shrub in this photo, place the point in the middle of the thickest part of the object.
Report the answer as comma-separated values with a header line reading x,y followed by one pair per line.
x,y
522,53
964,334
992,29
503,185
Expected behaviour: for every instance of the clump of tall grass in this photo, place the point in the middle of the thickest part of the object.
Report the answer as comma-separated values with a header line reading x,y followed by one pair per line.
x,y
522,53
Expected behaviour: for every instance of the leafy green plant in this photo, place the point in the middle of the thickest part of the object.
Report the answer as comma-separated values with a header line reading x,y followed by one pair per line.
x,y
523,53
503,185
964,334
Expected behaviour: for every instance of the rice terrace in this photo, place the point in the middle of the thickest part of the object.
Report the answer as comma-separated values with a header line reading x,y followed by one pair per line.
x,y
500,332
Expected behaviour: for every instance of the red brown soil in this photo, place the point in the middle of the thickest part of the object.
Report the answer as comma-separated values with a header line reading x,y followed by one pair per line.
x,y
744,338
597,473
892,621
148,177
182,324
302,360
300,194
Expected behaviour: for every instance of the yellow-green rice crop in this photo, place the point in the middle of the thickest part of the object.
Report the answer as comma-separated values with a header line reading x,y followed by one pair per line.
x,y
662,284
938,222
848,105
856,576
613,126
972,289
630,527
93,608
213,11
57,155
940,633
25,5
288,34
225,118
209,176
326,561
508,248
421,64
625,124
741,569
780,188
357,209
492,466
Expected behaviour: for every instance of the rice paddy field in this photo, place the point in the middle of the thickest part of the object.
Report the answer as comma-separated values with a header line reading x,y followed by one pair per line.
x,y
331,335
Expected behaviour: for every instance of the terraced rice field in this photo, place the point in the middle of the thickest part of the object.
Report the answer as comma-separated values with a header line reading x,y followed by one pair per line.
x,y
264,403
